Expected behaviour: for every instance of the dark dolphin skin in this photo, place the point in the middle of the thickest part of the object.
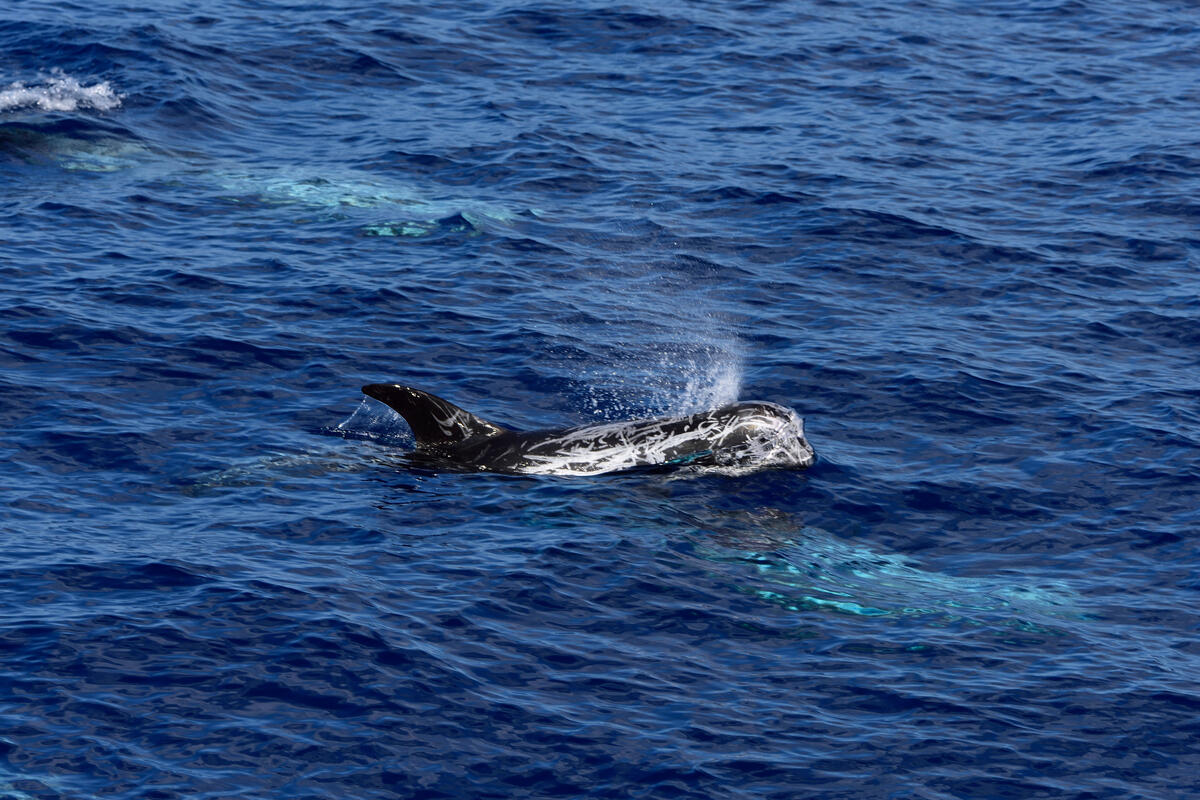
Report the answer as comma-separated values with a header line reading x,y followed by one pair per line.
x,y
737,438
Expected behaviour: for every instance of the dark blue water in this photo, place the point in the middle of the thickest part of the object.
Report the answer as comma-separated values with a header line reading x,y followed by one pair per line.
x,y
961,239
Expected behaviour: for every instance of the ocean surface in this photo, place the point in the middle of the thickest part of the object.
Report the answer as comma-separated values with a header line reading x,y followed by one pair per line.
x,y
961,239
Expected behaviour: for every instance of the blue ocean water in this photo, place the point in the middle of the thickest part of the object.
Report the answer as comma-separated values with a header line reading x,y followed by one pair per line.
x,y
959,238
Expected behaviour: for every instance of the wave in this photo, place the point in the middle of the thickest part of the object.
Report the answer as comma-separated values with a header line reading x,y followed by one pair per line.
x,y
59,92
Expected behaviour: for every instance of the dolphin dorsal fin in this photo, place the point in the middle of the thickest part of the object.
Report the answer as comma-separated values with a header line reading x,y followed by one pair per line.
x,y
433,420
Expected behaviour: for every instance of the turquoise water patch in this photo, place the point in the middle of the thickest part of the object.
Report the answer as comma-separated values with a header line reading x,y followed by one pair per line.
x,y
814,569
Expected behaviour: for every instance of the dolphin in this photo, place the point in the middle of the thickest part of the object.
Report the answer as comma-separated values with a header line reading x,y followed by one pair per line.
x,y
737,438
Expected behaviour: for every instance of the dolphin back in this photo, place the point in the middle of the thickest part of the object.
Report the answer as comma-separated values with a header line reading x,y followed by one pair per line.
x,y
435,422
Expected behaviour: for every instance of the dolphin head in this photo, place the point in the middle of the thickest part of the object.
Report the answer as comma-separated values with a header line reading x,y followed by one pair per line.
x,y
759,435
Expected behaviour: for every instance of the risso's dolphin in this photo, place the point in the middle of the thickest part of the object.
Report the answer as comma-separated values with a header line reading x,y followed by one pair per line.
x,y
737,438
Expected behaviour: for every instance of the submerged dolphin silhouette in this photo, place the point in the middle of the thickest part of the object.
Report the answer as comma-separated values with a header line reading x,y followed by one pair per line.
x,y
741,437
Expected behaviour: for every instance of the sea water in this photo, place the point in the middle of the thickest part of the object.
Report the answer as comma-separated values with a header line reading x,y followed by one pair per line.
x,y
959,239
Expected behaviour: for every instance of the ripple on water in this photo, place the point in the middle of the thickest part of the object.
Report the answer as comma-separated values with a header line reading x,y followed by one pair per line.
x,y
941,234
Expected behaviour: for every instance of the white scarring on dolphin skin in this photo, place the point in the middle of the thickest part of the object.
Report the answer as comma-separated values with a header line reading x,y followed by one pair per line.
x,y
734,439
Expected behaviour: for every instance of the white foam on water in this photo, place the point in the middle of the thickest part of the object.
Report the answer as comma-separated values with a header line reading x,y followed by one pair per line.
x,y
58,92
